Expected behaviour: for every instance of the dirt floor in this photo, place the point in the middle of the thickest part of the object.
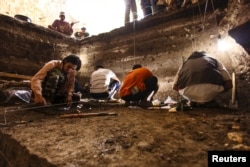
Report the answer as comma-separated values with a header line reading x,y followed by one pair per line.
x,y
133,137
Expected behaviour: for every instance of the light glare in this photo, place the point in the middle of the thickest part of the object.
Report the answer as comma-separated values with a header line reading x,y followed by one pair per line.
x,y
223,44
98,16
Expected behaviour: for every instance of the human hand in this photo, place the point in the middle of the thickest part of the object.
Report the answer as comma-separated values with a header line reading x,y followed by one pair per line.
x,y
39,99
69,101
74,23
175,87
51,27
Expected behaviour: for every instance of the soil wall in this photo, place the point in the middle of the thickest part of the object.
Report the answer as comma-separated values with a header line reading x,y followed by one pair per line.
x,y
160,42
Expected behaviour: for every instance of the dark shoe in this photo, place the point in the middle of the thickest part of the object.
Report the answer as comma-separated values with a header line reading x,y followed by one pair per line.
x,y
183,107
3,96
145,104
76,97
131,103
192,104
211,104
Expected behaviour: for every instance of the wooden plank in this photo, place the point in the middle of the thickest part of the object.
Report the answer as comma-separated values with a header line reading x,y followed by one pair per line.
x,y
84,115
6,84
17,76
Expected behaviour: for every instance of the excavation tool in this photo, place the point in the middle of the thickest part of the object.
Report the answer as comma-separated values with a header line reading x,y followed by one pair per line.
x,y
233,103
63,108
84,115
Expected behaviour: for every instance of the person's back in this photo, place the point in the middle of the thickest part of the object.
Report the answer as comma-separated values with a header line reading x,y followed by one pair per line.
x,y
134,78
201,78
103,83
139,86
199,69
100,80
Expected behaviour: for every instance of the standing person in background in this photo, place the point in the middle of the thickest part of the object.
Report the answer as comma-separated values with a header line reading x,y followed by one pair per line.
x,y
55,81
146,6
130,6
201,78
62,26
139,86
104,83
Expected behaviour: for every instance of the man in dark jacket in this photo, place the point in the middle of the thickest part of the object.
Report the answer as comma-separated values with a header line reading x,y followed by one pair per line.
x,y
201,78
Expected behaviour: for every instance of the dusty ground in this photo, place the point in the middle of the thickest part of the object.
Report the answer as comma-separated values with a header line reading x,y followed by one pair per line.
x,y
134,137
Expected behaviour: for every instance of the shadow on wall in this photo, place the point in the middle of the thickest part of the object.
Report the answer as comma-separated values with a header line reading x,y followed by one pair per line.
x,y
241,34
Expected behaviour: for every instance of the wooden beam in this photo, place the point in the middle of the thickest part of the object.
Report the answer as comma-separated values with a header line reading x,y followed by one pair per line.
x,y
17,76
84,115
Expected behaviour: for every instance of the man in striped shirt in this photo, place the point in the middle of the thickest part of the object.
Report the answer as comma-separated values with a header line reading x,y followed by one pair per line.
x,y
104,83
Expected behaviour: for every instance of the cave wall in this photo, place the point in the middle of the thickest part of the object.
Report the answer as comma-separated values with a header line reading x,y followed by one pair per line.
x,y
25,47
160,42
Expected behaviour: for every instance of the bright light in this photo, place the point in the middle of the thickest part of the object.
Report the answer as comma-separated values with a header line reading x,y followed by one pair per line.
x,y
223,45
98,16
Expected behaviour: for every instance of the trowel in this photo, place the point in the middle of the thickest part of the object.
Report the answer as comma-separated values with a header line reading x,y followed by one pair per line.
x,y
233,103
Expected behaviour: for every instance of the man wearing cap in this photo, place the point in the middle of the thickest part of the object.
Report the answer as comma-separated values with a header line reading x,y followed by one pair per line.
x,y
62,26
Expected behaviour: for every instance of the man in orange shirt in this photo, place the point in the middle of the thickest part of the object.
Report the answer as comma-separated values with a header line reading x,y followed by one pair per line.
x,y
139,86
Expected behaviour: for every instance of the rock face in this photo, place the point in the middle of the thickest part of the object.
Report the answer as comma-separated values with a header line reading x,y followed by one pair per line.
x,y
160,42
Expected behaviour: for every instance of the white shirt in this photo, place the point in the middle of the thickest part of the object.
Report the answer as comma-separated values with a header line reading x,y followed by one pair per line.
x,y
201,92
100,80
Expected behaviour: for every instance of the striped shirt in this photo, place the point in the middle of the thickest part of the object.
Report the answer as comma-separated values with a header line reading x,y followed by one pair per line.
x,y
100,80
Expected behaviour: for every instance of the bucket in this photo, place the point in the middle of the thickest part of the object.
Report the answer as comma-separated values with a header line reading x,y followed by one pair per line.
x,y
22,18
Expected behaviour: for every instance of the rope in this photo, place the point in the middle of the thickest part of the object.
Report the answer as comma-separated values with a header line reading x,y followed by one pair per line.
x,y
200,10
202,20
205,14
24,108
134,37
38,107
212,2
